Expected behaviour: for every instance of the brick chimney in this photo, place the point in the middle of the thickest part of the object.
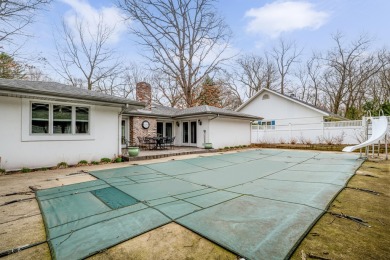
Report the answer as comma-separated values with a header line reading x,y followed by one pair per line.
x,y
144,94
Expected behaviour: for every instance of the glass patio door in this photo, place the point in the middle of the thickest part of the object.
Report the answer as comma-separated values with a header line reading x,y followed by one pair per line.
x,y
189,133
124,131
193,132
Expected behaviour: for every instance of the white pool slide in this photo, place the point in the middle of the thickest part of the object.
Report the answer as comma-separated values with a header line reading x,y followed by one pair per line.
x,y
379,130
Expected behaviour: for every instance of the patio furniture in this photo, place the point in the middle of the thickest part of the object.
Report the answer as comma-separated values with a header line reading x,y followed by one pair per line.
x,y
159,142
141,142
169,141
150,142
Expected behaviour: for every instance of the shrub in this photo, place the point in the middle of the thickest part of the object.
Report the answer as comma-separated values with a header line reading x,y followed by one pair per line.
x,y
2,171
62,165
42,169
282,141
338,139
94,162
328,139
226,147
293,140
83,162
105,160
305,140
25,170
118,160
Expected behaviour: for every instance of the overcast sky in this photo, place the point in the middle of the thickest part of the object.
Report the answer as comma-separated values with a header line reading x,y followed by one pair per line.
x,y
256,24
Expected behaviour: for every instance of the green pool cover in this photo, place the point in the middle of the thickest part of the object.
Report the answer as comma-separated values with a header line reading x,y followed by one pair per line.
x,y
258,204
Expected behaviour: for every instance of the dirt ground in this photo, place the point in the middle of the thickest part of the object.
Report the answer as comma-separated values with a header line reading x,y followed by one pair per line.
x,y
342,238
331,238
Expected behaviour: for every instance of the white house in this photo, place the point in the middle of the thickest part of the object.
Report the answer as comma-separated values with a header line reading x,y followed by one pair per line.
x,y
287,119
44,123
191,126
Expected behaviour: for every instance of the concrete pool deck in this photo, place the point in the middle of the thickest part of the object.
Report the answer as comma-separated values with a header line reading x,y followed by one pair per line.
x,y
216,187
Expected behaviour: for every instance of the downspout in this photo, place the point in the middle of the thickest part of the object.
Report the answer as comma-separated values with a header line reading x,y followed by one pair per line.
x,y
214,117
209,125
250,132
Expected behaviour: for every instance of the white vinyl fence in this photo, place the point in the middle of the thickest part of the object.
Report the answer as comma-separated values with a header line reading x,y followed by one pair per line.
x,y
341,132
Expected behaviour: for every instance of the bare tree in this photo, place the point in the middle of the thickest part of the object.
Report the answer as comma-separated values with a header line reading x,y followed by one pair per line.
x,y
132,74
303,91
36,74
285,54
15,15
255,72
86,53
232,97
166,91
313,67
184,39
348,70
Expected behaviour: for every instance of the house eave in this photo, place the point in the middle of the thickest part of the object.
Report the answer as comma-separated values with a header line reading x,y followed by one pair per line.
x,y
69,99
189,115
220,114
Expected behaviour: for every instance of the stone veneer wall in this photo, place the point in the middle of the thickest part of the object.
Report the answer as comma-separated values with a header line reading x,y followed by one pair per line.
x,y
136,128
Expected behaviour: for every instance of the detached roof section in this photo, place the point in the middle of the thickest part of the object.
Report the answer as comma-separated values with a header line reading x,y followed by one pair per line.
x,y
161,111
300,102
42,88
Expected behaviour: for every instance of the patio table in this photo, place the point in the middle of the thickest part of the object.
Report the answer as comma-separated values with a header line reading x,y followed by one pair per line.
x,y
159,142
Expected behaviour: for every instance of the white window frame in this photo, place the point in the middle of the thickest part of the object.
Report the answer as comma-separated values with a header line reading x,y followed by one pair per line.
x,y
266,124
27,134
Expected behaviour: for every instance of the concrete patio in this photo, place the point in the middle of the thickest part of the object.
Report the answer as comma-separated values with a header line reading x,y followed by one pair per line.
x,y
146,154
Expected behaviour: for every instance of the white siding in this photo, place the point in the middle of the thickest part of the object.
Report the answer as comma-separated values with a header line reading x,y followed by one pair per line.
x,y
229,132
282,110
17,152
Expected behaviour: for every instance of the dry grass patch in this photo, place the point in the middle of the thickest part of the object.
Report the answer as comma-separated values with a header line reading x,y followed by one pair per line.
x,y
170,241
340,238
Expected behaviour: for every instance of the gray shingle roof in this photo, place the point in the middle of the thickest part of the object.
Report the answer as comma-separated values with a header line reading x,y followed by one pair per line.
x,y
61,90
163,111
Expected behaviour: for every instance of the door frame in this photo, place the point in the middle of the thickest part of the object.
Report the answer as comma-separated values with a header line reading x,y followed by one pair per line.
x,y
189,132
127,130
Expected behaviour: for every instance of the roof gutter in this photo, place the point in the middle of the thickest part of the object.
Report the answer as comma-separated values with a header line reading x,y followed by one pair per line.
x,y
214,117
217,115
41,94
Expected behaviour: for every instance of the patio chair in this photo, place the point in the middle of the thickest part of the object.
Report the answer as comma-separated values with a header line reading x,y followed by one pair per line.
x,y
141,142
169,142
150,142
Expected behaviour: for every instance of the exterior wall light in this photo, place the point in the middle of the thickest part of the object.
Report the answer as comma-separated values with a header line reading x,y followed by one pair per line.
x,y
199,122
177,123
